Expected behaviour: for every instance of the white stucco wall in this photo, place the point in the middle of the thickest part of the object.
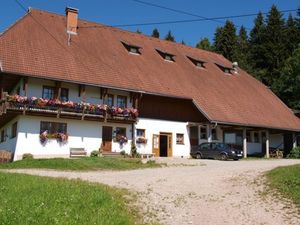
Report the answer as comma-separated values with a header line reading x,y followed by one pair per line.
x,y
10,143
82,134
153,126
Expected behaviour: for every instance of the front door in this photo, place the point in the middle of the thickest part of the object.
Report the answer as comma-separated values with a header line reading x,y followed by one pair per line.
x,y
155,147
106,138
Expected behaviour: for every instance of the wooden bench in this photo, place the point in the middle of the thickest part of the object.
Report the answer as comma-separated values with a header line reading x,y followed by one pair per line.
x,y
77,152
5,156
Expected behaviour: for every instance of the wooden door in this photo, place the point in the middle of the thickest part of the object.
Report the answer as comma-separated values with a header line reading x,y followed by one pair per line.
x,y
155,145
170,152
106,138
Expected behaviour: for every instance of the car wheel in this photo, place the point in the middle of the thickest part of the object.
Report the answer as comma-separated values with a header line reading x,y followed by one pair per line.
x,y
223,157
198,156
235,159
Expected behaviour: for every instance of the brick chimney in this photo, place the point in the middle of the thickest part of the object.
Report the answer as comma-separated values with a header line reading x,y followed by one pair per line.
x,y
72,16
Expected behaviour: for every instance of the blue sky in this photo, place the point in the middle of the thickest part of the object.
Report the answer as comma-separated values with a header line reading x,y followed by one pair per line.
x,y
113,12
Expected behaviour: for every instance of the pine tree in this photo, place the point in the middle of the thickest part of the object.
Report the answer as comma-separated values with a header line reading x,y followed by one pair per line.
x,y
182,42
291,35
155,33
256,48
288,85
242,49
274,45
226,41
138,31
170,37
204,43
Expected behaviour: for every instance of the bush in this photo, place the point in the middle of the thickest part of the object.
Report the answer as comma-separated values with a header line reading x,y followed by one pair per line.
x,y
95,153
295,153
27,156
133,151
123,153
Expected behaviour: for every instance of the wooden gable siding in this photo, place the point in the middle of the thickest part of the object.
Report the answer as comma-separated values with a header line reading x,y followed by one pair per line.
x,y
165,108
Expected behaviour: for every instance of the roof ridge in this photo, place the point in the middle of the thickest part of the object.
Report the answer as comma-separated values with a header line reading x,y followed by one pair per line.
x,y
132,33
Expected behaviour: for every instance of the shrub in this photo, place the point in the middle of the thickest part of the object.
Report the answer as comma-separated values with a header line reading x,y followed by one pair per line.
x,y
27,156
295,153
123,153
133,150
95,153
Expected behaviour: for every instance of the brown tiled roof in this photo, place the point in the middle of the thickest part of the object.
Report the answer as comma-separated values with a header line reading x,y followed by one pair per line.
x,y
96,56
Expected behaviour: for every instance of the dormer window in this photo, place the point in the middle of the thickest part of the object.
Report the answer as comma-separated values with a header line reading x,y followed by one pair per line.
x,y
133,49
166,56
225,69
198,63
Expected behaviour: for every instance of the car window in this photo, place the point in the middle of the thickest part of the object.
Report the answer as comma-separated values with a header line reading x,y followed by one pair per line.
x,y
205,146
222,146
214,146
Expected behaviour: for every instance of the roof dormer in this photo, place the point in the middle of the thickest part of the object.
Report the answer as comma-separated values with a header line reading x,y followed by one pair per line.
x,y
225,69
166,56
197,62
133,49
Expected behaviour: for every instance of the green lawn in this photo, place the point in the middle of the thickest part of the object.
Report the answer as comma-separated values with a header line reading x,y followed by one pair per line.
x,y
287,181
30,200
86,163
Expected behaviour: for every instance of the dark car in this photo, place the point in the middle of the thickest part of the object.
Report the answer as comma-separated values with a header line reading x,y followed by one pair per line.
x,y
215,150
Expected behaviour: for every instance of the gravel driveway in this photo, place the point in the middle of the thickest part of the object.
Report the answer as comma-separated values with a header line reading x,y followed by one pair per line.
x,y
210,192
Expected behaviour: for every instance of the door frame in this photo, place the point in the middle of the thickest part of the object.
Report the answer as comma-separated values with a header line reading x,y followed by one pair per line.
x,y
169,143
107,150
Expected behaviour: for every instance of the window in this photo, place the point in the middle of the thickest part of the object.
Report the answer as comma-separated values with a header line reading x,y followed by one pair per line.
x,y
53,127
132,48
203,133
214,134
226,70
109,100
64,94
166,56
140,132
197,63
14,130
48,92
248,136
180,139
2,136
121,101
205,146
121,131
51,93
255,137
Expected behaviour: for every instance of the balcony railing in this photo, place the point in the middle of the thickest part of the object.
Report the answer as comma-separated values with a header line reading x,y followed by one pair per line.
x,y
55,106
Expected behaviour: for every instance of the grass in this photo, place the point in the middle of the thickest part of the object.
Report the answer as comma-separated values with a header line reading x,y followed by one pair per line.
x,y
287,181
86,163
31,200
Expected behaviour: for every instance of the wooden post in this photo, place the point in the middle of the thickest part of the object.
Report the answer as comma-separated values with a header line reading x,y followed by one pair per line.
x,y
245,142
58,89
267,144
83,93
25,86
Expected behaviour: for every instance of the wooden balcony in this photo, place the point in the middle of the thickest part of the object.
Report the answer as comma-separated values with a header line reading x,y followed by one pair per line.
x,y
58,109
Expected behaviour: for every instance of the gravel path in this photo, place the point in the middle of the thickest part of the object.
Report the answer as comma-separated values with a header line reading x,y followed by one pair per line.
x,y
211,192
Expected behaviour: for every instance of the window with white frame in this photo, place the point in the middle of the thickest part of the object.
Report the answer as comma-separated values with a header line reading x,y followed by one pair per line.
x,y
180,139
140,132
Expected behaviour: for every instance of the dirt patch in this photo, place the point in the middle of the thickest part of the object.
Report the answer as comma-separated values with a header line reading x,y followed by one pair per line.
x,y
218,193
